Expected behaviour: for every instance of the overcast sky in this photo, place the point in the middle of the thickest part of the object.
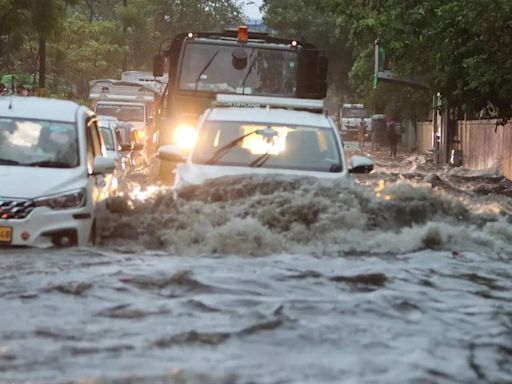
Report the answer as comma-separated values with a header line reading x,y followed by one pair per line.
x,y
252,9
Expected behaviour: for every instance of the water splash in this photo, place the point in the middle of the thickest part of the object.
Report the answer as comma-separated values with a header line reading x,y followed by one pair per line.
x,y
257,215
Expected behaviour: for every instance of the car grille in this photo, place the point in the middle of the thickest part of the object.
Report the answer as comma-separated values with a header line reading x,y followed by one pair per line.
x,y
15,208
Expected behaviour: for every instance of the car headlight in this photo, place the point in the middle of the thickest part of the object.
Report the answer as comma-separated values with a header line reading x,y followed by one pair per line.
x,y
140,134
185,136
71,199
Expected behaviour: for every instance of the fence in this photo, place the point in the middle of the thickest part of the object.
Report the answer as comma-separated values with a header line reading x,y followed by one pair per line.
x,y
425,136
483,146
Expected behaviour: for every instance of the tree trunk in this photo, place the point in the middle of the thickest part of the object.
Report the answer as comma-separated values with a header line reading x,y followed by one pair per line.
x,y
125,28
42,66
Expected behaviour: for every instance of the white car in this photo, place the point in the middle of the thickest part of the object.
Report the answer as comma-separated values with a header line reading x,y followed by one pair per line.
x,y
243,135
53,167
115,145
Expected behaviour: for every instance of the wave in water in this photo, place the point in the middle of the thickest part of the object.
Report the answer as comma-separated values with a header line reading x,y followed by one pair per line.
x,y
259,215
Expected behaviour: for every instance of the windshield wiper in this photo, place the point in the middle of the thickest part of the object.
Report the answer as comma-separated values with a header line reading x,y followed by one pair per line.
x,y
49,164
9,162
261,160
226,148
204,70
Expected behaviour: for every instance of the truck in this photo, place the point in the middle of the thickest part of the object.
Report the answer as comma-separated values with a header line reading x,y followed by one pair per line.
x,y
131,102
204,64
351,115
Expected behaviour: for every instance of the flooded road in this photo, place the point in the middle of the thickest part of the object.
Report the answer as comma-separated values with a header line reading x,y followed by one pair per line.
x,y
403,277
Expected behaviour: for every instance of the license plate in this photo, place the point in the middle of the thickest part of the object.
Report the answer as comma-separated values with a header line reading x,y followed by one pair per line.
x,y
5,234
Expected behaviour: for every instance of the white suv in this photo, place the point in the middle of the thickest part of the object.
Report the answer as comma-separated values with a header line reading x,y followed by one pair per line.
x,y
53,166
263,135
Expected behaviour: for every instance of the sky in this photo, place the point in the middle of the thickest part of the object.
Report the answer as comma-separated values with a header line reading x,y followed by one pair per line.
x,y
251,9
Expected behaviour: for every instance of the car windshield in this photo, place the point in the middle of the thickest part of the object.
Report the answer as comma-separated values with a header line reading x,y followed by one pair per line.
x,y
108,138
266,72
38,143
122,112
268,146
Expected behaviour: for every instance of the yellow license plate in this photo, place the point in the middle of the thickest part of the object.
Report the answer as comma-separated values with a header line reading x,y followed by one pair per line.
x,y
5,234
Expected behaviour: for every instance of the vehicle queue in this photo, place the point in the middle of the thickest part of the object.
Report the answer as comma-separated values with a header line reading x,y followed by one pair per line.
x,y
60,162
56,172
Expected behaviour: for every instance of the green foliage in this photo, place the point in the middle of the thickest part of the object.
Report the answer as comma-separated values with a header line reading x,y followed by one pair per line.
x,y
308,20
175,16
86,51
88,39
462,47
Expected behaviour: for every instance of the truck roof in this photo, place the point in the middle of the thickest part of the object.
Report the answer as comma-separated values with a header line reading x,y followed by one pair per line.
x,y
264,116
105,89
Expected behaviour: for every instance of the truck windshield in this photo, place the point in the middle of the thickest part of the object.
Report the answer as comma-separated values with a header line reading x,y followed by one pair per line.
x,y
357,113
38,143
210,68
122,112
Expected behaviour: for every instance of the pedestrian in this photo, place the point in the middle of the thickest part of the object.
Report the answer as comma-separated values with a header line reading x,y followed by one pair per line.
x,y
393,137
361,133
21,90
3,89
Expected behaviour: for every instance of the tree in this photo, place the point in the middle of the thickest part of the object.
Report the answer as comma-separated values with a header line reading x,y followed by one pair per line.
x,y
463,48
85,39
309,20
174,16
86,51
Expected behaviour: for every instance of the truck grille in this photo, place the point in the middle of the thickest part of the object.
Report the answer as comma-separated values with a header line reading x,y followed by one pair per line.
x,y
15,208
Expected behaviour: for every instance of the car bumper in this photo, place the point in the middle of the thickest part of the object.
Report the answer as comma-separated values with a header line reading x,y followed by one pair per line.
x,y
45,228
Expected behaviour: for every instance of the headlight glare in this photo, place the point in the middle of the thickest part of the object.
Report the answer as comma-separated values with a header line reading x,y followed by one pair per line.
x,y
185,136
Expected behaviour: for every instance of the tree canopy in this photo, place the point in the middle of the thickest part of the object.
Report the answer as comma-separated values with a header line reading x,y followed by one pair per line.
x,y
462,48
90,39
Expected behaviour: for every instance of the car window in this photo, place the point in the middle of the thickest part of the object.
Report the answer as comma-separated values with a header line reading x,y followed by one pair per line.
x,y
108,138
268,146
38,143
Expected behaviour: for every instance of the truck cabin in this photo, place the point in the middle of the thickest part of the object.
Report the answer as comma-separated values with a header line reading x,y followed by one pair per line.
x,y
203,64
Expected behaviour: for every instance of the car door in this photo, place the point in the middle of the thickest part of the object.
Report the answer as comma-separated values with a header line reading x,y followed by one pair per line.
x,y
95,147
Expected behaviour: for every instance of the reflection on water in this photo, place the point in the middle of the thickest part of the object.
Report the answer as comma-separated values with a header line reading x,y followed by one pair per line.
x,y
280,281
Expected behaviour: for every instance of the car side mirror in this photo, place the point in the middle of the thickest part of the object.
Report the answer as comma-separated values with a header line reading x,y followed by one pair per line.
x,y
171,153
361,164
102,165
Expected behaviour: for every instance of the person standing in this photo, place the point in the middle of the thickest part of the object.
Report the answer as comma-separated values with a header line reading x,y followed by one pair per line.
x,y
361,133
392,138
21,90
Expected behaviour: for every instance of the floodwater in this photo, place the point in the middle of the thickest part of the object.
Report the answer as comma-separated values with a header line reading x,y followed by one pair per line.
x,y
404,277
